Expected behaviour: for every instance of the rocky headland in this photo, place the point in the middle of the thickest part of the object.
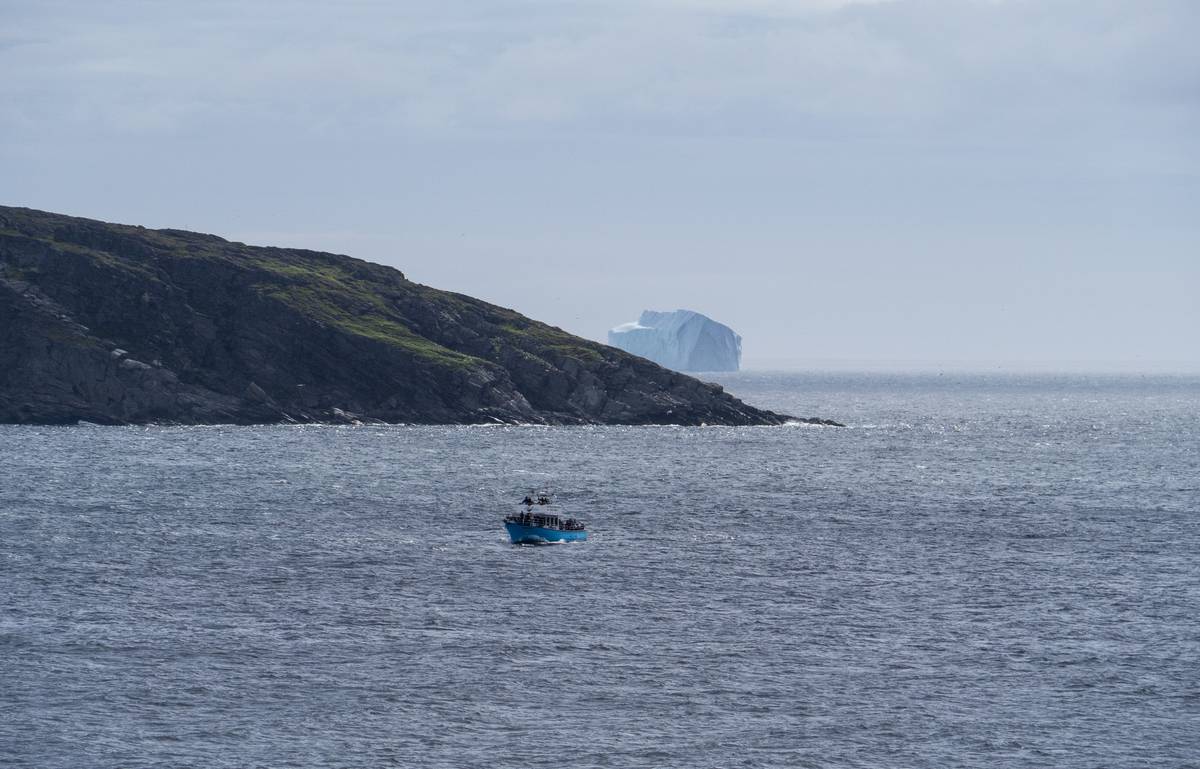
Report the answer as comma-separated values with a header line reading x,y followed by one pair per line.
x,y
118,324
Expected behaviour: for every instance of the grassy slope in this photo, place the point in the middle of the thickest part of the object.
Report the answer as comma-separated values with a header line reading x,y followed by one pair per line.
x,y
354,296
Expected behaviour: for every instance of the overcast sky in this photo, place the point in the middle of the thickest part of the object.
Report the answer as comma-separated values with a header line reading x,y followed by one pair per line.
x,y
965,181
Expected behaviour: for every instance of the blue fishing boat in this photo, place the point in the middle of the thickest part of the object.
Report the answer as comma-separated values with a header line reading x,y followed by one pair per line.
x,y
536,525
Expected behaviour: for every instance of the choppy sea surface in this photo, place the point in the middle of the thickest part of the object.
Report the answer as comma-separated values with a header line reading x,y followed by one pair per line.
x,y
980,571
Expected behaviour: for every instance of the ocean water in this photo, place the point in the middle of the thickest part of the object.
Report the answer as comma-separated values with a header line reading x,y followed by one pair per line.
x,y
980,571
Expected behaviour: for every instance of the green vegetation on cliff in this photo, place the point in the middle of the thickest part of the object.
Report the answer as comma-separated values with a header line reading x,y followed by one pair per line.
x,y
120,324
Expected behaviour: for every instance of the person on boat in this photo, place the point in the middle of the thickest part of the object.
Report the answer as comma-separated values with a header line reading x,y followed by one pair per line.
x,y
526,500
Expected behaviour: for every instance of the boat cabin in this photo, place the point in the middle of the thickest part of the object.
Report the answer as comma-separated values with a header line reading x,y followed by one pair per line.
x,y
543,520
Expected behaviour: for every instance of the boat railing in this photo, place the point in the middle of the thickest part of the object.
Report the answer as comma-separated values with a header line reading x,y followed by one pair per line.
x,y
527,518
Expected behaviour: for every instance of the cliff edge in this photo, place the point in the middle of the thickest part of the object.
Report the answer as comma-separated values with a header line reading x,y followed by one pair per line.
x,y
119,324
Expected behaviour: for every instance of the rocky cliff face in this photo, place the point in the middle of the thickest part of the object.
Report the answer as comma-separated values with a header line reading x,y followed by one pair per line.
x,y
117,324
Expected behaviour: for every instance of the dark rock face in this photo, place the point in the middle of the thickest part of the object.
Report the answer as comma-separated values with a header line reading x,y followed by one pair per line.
x,y
117,324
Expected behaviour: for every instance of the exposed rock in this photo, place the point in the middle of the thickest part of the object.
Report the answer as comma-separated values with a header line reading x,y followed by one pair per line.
x,y
258,335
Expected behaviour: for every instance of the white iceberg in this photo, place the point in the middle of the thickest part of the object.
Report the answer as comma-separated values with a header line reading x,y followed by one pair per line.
x,y
682,340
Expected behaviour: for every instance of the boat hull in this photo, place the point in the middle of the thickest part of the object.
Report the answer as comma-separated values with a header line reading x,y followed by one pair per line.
x,y
520,534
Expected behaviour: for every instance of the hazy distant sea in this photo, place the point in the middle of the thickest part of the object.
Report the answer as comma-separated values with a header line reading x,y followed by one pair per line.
x,y
981,571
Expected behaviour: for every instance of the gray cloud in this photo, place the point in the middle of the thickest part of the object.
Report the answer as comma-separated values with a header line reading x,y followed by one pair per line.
x,y
1016,169
763,67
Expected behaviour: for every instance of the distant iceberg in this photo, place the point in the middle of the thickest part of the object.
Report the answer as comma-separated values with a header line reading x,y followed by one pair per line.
x,y
682,340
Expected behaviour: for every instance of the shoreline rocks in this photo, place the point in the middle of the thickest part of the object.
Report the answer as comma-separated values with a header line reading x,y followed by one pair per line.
x,y
115,324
